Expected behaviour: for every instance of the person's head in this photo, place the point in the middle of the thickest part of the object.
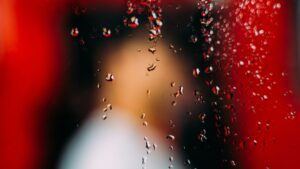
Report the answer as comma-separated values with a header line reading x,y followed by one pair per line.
x,y
159,83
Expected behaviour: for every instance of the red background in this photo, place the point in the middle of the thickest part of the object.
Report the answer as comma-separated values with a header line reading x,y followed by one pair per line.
x,y
30,79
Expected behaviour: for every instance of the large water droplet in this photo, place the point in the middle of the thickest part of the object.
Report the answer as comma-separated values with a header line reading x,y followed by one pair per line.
x,y
74,32
109,77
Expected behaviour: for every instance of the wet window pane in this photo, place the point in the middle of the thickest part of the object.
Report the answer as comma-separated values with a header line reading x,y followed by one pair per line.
x,y
150,84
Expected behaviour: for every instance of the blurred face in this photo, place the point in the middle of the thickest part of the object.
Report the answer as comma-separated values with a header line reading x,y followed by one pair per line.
x,y
159,82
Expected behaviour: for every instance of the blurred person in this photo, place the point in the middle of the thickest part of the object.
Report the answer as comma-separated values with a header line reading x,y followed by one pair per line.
x,y
137,77
63,87
119,138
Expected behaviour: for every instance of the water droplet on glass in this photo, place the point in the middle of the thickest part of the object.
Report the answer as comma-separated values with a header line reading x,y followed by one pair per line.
x,y
252,46
109,77
144,160
171,123
109,106
196,72
173,84
267,125
232,163
241,63
264,97
159,23
154,146
202,117
148,145
133,22
255,142
143,115
74,32
227,130
130,8
104,117
145,123
188,162
171,46
153,34
170,137
216,90
180,90
202,135
277,6
105,109
151,67
153,15
209,69
173,103
291,115
152,50
106,32
261,32
194,39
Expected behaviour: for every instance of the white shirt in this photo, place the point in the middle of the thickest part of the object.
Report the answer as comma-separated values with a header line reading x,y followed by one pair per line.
x,y
117,143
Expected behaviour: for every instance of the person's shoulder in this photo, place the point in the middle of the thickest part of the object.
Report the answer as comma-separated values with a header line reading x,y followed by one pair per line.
x,y
113,143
